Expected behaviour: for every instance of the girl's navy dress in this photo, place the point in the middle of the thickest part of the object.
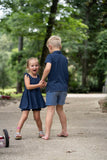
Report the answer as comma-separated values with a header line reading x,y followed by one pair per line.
x,y
32,99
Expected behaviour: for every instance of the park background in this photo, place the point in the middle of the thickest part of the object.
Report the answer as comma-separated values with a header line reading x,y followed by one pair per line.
x,y
25,26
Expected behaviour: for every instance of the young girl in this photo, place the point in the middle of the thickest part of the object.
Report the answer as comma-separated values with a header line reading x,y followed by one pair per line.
x,y
31,98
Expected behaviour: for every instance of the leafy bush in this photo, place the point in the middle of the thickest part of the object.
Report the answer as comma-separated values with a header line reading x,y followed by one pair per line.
x,y
5,93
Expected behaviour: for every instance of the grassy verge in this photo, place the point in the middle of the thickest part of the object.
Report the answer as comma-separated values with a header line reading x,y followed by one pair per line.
x,y
12,92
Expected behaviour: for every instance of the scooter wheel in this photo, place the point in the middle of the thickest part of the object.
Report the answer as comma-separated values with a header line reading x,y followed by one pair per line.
x,y
6,137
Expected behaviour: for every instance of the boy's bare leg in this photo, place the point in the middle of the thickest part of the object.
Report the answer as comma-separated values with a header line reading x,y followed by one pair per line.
x,y
48,122
62,117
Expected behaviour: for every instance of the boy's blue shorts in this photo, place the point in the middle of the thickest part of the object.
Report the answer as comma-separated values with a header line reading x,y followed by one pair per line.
x,y
55,98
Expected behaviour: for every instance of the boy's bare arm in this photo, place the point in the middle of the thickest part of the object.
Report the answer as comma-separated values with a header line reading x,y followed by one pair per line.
x,y
46,71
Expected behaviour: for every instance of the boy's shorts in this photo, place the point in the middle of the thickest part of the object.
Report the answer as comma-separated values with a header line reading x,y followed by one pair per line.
x,y
55,98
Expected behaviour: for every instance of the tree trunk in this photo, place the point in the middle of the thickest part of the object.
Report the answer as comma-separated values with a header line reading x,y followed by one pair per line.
x,y
100,80
20,48
84,66
51,22
85,56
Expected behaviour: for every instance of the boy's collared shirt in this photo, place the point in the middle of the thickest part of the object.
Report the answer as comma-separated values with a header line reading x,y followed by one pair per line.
x,y
58,76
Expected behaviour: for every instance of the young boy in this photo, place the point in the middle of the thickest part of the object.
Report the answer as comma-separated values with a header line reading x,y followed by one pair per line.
x,y
57,71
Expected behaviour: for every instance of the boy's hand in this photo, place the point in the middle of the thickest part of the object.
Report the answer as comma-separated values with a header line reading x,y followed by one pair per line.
x,y
45,83
42,84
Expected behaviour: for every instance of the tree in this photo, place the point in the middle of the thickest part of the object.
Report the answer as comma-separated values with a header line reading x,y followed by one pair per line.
x,y
21,22
89,10
34,20
5,48
100,69
49,30
65,25
4,76
20,48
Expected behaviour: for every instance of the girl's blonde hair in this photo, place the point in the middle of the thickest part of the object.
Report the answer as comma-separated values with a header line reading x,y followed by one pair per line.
x,y
32,58
55,41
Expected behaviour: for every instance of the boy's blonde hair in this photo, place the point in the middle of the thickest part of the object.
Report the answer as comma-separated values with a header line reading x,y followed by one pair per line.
x,y
55,41
28,61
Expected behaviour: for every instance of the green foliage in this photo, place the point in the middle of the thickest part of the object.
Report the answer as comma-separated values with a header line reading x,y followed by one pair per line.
x,y
10,92
88,53
74,29
4,78
5,93
5,43
25,17
101,65
102,44
16,66
81,25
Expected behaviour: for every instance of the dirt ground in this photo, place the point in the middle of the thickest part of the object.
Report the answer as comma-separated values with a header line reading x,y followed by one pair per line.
x,y
87,128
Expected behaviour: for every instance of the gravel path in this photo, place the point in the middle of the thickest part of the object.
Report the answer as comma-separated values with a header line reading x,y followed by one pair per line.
x,y
87,127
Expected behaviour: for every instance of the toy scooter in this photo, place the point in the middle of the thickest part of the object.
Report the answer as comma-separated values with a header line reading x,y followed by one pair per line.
x,y
4,140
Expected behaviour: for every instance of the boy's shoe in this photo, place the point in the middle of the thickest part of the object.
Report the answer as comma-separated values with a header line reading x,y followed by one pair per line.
x,y
18,136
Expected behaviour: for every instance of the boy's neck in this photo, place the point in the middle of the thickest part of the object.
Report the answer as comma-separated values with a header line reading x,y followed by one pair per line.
x,y
55,49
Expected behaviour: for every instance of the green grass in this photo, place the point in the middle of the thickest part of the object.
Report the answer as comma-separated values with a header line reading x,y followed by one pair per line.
x,y
12,93
16,96
44,94
9,90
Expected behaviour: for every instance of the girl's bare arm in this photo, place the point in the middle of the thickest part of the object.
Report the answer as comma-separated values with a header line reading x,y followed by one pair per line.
x,y
32,86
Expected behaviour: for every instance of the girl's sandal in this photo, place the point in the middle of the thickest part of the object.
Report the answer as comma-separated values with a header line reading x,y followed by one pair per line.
x,y
18,136
41,134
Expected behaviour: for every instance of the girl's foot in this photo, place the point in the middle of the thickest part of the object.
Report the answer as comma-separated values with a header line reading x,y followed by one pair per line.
x,y
45,137
62,135
18,136
41,134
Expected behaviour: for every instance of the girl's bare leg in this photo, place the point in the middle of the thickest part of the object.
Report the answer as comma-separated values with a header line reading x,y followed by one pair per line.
x,y
62,117
36,115
23,118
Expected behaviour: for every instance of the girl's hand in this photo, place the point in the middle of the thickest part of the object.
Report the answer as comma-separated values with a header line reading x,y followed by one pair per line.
x,y
32,86
43,84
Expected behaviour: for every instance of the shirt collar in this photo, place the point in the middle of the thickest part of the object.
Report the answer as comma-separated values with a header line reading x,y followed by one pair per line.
x,y
58,52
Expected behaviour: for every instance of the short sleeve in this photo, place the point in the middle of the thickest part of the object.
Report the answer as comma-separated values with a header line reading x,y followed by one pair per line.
x,y
48,59
26,74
